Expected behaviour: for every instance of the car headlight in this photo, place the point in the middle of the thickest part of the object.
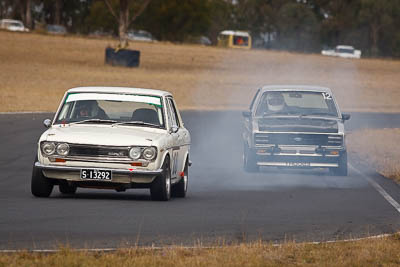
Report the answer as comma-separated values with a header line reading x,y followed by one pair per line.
x,y
149,153
135,153
62,149
48,148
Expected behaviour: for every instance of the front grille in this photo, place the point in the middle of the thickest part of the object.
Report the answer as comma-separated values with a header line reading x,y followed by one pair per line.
x,y
98,151
262,139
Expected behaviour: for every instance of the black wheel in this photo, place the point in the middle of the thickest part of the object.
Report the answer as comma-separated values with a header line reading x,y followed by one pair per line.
x,y
249,160
66,188
40,185
342,169
161,187
180,189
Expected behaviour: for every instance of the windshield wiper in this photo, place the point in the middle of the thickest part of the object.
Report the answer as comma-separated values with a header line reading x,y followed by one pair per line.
x,y
94,121
141,123
317,114
280,113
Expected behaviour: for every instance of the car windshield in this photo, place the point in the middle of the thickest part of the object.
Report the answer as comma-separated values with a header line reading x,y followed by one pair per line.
x,y
345,50
300,103
116,109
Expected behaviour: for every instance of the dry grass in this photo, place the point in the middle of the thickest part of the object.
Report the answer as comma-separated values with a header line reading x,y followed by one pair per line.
x,y
370,252
35,70
381,152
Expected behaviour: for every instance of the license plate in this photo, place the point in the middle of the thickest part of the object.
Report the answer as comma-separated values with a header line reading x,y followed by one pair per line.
x,y
298,164
96,174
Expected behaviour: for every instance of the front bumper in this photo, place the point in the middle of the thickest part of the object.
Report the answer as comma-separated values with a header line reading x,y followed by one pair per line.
x,y
299,157
125,176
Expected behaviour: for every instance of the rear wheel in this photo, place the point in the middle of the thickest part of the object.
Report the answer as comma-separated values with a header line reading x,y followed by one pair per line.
x,y
65,188
40,185
161,187
180,189
342,169
249,160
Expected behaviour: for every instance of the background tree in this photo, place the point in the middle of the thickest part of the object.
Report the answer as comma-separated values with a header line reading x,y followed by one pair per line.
x,y
177,20
298,28
125,17
300,25
220,18
377,15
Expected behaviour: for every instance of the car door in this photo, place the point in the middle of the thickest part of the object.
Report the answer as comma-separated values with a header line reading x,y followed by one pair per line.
x,y
176,142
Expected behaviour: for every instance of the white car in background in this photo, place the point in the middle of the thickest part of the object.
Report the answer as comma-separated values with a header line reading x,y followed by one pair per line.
x,y
13,25
344,51
114,138
140,35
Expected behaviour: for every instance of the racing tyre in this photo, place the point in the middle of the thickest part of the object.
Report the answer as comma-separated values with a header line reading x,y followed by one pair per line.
x,y
342,169
249,160
180,189
66,188
161,187
40,185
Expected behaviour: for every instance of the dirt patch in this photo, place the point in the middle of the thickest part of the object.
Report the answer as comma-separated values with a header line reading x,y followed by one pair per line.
x,y
378,149
35,71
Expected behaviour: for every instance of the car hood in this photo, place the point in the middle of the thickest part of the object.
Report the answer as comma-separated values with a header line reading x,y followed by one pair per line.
x,y
298,124
106,135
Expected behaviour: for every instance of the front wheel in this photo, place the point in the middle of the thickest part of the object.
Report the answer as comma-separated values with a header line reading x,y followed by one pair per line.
x,y
180,189
161,187
249,160
40,185
342,169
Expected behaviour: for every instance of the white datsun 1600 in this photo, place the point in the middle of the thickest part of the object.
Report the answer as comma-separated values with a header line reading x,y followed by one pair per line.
x,y
114,138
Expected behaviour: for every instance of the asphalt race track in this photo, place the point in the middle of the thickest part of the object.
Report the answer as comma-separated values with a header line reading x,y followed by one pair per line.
x,y
224,204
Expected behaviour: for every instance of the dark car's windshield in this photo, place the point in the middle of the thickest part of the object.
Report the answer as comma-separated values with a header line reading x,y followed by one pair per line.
x,y
301,103
100,108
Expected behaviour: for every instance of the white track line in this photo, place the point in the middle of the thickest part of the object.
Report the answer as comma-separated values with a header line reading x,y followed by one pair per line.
x,y
185,247
379,189
372,182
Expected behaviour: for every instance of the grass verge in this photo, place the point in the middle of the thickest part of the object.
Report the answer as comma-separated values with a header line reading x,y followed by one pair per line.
x,y
378,149
382,251
37,69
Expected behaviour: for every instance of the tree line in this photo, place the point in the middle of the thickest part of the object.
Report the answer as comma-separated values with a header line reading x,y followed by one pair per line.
x,y
294,25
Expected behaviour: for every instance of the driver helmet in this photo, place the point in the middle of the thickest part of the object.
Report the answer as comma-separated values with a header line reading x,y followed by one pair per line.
x,y
275,101
87,108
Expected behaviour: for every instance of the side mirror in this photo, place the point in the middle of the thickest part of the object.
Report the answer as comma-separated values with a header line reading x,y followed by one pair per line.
x,y
345,117
174,129
246,114
47,123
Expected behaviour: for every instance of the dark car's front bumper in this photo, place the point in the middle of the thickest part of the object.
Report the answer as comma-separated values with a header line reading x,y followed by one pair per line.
x,y
311,157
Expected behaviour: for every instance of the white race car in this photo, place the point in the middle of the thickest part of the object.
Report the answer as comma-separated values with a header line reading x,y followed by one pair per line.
x,y
114,138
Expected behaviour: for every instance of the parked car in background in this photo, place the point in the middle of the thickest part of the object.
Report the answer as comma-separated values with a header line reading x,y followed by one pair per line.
x,y
204,40
114,138
140,35
234,39
344,51
56,29
13,25
295,127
